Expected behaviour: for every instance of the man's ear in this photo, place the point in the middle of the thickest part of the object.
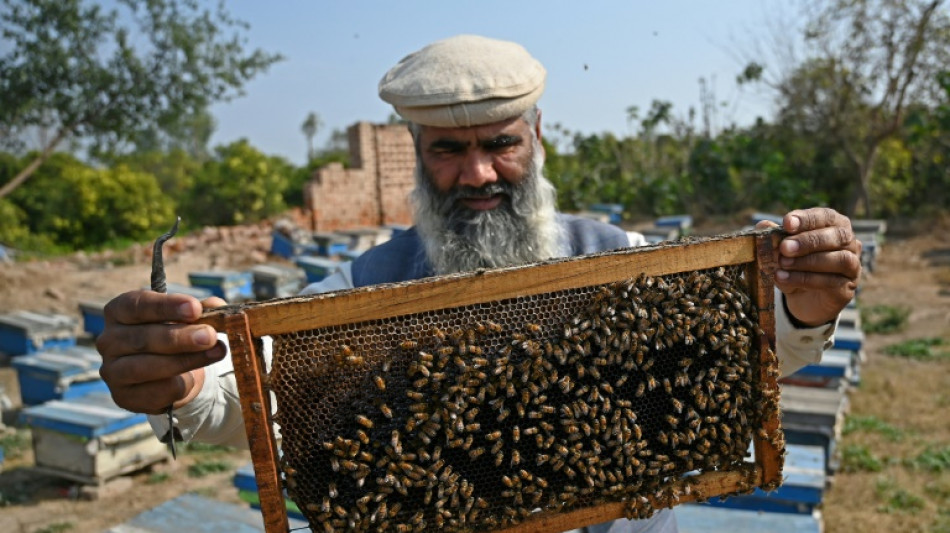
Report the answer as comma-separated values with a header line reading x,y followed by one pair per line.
x,y
537,131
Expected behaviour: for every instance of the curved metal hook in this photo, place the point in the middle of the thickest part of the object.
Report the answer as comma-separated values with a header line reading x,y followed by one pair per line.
x,y
158,263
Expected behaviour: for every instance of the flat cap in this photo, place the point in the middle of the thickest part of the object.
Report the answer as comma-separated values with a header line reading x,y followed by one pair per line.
x,y
462,81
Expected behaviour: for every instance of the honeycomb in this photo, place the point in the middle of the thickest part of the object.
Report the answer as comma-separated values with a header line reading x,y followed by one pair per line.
x,y
478,417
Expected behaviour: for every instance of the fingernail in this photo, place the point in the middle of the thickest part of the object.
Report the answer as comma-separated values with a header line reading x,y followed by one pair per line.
x,y
185,310
791,246
786,261
201,337
793,223
217,352
781,274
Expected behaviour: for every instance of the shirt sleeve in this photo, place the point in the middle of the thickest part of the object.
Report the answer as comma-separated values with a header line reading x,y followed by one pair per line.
x,y
798,347
214,415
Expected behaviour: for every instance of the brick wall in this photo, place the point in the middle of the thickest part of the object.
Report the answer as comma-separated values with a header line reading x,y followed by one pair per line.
x,y
374,191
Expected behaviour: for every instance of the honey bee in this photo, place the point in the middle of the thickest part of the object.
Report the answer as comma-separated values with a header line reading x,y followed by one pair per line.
x,y
380,383
363,421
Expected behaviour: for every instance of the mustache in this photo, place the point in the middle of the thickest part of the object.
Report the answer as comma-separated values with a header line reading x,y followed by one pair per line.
x,y
450,200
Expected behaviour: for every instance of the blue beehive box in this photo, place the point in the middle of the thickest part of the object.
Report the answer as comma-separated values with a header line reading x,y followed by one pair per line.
x,y
849,339
89,439
283,245
93,320
316,268
801,490
330,244
195,513
58,374
277,281
682,223
705,518
614,212
25,332
836,368
246,484
233,286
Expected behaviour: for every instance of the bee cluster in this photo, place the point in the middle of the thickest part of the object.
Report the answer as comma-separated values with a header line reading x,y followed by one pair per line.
x,y
475,418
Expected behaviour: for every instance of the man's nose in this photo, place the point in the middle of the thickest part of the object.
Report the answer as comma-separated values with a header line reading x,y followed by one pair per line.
x,y
478,170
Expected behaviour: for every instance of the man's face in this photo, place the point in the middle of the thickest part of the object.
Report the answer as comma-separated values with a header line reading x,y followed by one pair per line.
x,y
473,162
481,199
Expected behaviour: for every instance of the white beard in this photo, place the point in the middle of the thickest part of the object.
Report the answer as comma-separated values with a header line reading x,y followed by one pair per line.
x,y
522,229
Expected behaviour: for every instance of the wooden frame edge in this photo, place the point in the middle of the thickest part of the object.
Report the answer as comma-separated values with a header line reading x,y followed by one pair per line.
x,y
255,409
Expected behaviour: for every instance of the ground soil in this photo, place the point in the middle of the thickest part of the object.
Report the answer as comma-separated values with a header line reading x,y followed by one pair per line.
x,y
913,396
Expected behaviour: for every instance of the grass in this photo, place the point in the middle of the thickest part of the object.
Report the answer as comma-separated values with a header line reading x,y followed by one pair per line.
x,y
934,460
204,448
56,527
858,458
902,501
204,468
15,442
874,425
925,349
884,318
158,477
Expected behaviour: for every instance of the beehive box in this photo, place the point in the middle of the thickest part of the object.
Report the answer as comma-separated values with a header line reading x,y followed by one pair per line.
x,y
89,439
59,374
800,493
330,244
27,332
93,318
277,281
534,398
246,484
316,268
231,285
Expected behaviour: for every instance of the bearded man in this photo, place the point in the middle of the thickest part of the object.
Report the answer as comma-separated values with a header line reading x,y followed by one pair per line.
x,y
480,201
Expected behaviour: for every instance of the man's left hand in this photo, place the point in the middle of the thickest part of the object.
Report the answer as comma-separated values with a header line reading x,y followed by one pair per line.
x,y
819,264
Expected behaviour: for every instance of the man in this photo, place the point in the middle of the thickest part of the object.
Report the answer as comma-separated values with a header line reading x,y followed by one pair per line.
x,y
480,201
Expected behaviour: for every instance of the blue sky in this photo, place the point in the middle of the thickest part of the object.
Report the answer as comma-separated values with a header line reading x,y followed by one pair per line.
x,y
634,51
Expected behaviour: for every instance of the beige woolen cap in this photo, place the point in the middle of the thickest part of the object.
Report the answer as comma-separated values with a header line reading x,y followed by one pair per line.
x,y
464,81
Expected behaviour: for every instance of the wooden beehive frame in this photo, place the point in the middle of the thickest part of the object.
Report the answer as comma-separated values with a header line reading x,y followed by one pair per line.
x,y
245,324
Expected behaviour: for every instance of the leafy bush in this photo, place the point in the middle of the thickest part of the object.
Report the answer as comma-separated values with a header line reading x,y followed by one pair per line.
x,y
884,318
858,458
922,349
872,424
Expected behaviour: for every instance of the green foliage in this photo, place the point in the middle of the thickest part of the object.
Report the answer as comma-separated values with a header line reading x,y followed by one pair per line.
x,y
75,69
923,349
858,458
874,425
157,477
884,318
205,468
239,186
14,442
56,527
205,448
933,459
902,501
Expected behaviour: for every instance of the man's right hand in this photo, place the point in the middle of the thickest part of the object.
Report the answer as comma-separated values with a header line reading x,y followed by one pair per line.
x,y
152,354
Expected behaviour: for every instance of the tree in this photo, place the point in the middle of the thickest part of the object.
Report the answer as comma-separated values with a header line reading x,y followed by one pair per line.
x,y
869,61
239,185
310,127
78,71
